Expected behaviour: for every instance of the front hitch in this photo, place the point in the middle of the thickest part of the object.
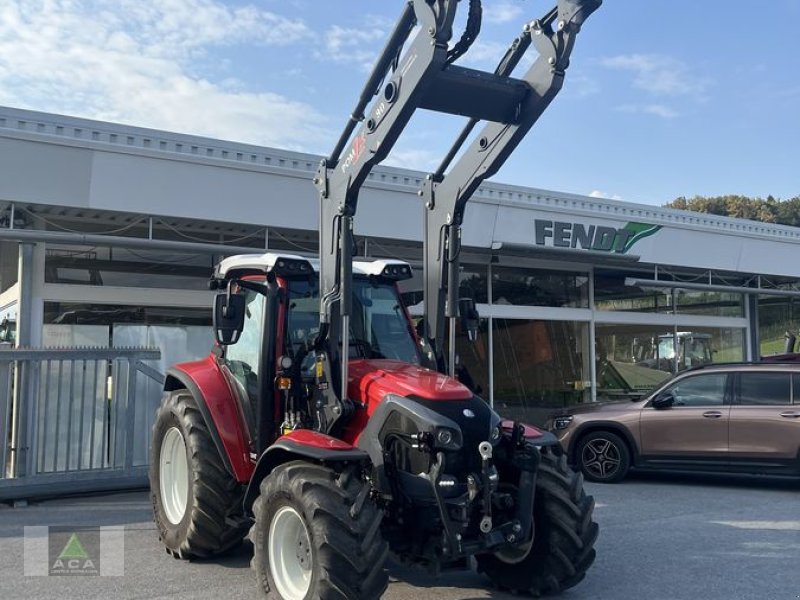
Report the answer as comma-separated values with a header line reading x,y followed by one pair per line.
x,y
519,530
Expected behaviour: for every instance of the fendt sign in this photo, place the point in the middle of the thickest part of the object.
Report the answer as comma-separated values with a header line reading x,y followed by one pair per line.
x,y
562,234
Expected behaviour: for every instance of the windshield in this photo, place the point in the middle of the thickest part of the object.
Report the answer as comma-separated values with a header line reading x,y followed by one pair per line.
x,y
378,325
666,348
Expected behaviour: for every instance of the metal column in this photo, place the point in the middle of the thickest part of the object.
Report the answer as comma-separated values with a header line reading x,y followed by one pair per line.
x,y
22,401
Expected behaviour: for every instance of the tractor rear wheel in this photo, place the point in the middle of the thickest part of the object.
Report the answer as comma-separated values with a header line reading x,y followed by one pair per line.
x,y
317,535
196,502
564,536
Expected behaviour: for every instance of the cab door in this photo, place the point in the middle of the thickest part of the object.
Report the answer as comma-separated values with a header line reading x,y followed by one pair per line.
x,y
241,362
765,424
693,430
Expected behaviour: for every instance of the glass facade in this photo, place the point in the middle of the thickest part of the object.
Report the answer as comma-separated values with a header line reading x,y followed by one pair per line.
x,y
539,287
776,316
473,360
710,303
614,291
539,367
624,291
531,358
632,360
120,267
9,265
537,361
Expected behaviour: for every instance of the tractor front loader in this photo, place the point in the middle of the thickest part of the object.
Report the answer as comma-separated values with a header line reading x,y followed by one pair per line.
x,y
317,424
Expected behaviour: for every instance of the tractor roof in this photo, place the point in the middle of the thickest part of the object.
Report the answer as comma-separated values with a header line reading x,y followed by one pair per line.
x,y
292,264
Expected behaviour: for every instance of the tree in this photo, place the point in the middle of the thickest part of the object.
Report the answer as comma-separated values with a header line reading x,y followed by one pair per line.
x,y
769,210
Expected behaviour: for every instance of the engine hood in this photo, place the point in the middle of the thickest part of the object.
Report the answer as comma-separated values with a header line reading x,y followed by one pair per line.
x,y
371,380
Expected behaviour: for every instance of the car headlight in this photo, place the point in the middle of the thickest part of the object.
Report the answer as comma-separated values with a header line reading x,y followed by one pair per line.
x,y
562,422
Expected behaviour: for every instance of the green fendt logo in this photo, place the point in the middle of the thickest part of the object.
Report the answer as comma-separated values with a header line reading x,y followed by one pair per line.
x,y
562,234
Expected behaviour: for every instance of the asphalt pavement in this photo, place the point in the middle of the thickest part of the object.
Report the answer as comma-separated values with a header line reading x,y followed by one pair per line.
x,y
662,538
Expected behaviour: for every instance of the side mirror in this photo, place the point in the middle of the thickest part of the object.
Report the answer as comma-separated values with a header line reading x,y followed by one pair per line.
x,y
229,312
469,317
663,401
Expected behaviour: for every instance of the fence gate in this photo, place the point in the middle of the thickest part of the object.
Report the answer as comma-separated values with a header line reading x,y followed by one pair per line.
x,y
75,420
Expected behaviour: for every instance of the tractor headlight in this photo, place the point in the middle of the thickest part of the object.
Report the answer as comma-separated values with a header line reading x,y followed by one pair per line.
x,y
447,438
444,437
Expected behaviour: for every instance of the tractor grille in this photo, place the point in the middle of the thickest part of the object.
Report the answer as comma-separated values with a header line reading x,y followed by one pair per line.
x,y
474,429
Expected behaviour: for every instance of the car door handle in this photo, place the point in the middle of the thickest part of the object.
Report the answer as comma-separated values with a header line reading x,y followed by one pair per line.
x,y
791,415
712,414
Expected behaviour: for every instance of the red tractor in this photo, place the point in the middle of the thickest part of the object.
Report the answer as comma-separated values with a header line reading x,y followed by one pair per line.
x,y
319,424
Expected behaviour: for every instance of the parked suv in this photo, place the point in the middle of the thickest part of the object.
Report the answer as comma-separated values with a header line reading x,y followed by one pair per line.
x,y
734,417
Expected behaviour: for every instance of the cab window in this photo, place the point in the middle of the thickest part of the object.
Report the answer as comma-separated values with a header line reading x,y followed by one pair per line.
x,y
243,357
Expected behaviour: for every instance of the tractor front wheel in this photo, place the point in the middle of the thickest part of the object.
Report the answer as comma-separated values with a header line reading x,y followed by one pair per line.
x,y
564,536
196,502
317,535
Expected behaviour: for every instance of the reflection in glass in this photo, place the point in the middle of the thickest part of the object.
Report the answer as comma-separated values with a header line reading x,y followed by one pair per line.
x,y
632,360
539,287
472,359
613,291
711,303
776,316
539,366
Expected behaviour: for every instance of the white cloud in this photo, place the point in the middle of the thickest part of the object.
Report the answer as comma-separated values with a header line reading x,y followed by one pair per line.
x,y
356,45
659,75
604,195
658,110
580,85
134,61
501,12
351,45
417,159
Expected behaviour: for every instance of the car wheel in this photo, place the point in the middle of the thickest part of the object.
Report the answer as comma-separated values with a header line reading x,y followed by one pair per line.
x,y
603,456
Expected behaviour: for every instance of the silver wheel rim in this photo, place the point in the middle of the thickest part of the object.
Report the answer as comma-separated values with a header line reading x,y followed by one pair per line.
x,y
290,555
173,475
601,458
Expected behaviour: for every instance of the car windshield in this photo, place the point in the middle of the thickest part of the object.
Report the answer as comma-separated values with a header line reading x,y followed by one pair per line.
x,y
378,324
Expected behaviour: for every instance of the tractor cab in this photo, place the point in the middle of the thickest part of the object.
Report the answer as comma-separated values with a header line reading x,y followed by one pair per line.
x,y
271,342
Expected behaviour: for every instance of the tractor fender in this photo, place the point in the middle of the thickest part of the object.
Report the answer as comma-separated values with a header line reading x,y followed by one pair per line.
x,y
204,380
301,444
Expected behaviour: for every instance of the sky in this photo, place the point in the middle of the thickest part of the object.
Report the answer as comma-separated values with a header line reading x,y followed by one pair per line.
x,y
663,98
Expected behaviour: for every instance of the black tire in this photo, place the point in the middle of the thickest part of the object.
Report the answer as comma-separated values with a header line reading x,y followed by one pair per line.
x,y
603,457
347,550
563,545
213,521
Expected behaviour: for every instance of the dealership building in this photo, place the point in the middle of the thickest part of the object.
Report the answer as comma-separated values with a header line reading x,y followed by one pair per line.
x,y
108,234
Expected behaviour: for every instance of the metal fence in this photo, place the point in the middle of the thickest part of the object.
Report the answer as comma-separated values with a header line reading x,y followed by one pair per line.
x,y
74,420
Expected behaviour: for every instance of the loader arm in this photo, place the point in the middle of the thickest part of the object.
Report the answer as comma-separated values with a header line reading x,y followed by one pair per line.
x,y
425,77
446,194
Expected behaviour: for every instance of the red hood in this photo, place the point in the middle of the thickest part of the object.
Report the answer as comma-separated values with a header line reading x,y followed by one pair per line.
x,y
373,379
